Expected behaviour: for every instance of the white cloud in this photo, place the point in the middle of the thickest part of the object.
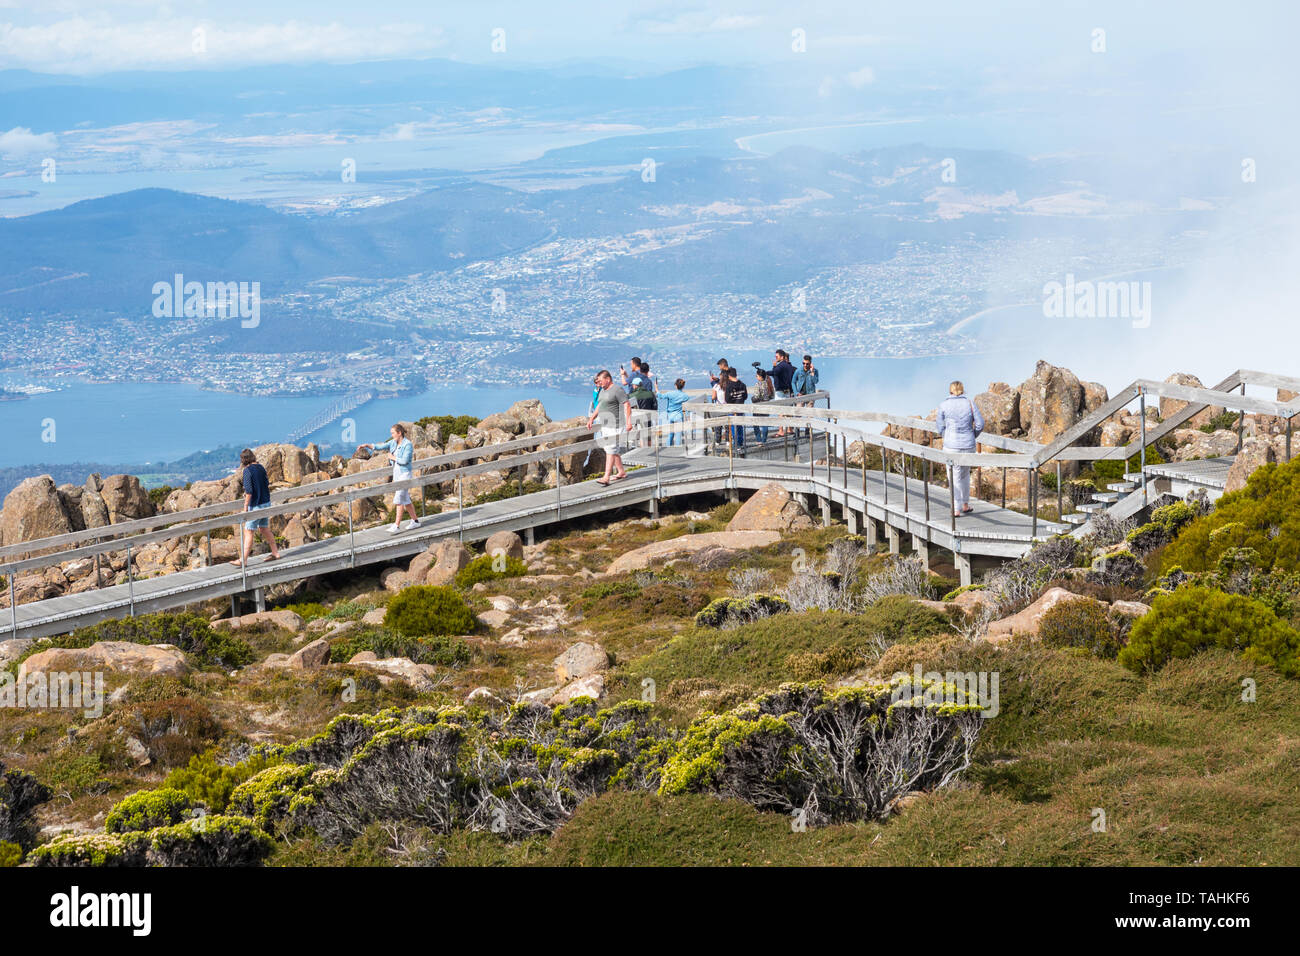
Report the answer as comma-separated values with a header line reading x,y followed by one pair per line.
x,y
20,141
92,44
699,22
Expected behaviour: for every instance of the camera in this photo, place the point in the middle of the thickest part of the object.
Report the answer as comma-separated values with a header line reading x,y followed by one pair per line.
x,y
756,364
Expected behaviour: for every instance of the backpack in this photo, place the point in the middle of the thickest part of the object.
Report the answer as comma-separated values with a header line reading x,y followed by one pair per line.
x,y
645,400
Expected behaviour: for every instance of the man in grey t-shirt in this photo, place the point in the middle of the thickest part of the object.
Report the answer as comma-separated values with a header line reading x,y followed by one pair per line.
x,y
613,412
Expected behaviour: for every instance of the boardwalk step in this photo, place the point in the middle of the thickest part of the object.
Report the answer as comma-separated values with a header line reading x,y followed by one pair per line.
x,y
1074,517
1092,507
1108,497
1122,485
1133,476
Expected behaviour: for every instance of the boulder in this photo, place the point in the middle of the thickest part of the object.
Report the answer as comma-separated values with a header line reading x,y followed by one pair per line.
x,y
1051,401
34,509
1000,406
125,498
1026,621
1254,453
310,657
449,556
374,617
121,657
288,620
686,545
395,579
14,648
494,618
1130,608
593,686
420,677
506,542
1193,444
975,599
771,508
1171,406
483,696
580,660
94,513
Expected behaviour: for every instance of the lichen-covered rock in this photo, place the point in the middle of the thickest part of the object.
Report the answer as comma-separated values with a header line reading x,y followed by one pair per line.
x,y
580,660
122,657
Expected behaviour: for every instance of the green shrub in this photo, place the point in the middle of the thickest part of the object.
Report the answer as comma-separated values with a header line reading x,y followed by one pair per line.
x,y
265,798
953,594
211,783
732,611
483,568
20,794
1264,515
425,610
430,649
451,424
148,810
205,841
11,854
1194,618
1220,422
1113,470
510,489
898,617
1082,623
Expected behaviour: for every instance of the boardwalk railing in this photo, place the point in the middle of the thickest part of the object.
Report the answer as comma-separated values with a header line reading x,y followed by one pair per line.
x,y
835,429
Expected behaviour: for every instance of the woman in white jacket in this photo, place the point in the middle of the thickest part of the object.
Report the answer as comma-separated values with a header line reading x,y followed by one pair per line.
x,y
960,423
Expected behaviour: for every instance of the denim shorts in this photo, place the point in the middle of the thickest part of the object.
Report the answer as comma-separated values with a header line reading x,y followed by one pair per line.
x,y
254,523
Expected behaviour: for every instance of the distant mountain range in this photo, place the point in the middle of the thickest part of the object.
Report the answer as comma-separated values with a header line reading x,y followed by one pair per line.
x,y
771,220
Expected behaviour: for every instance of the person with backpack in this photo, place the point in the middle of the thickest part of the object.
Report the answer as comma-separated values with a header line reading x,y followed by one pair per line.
x,y
644,400
959,423
762,392
257,495
735,393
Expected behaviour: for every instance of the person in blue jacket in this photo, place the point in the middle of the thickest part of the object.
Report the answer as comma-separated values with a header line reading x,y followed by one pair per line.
x,y
673,411
804,381
400,454
959,422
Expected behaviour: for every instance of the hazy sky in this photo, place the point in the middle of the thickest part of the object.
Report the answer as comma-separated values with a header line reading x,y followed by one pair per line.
x,y
82,36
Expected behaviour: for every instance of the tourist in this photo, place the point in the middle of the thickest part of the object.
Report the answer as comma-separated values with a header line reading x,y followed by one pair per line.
x,y
257,496
645,405
612,410
735,394
959,422
804,380
762,392
718,385
781,374
400,454
639,369
674,410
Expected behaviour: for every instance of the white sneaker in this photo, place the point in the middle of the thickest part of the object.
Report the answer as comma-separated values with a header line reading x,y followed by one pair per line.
x,y
412,525
393,529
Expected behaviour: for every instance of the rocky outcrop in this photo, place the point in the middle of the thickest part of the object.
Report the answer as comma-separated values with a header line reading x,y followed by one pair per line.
x,y
33,510
1172,406
1255,452
505,543
120,657
288,620
659,552
1000,406
771,508
125,498
1051,401
580,660
1026,621
440,562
